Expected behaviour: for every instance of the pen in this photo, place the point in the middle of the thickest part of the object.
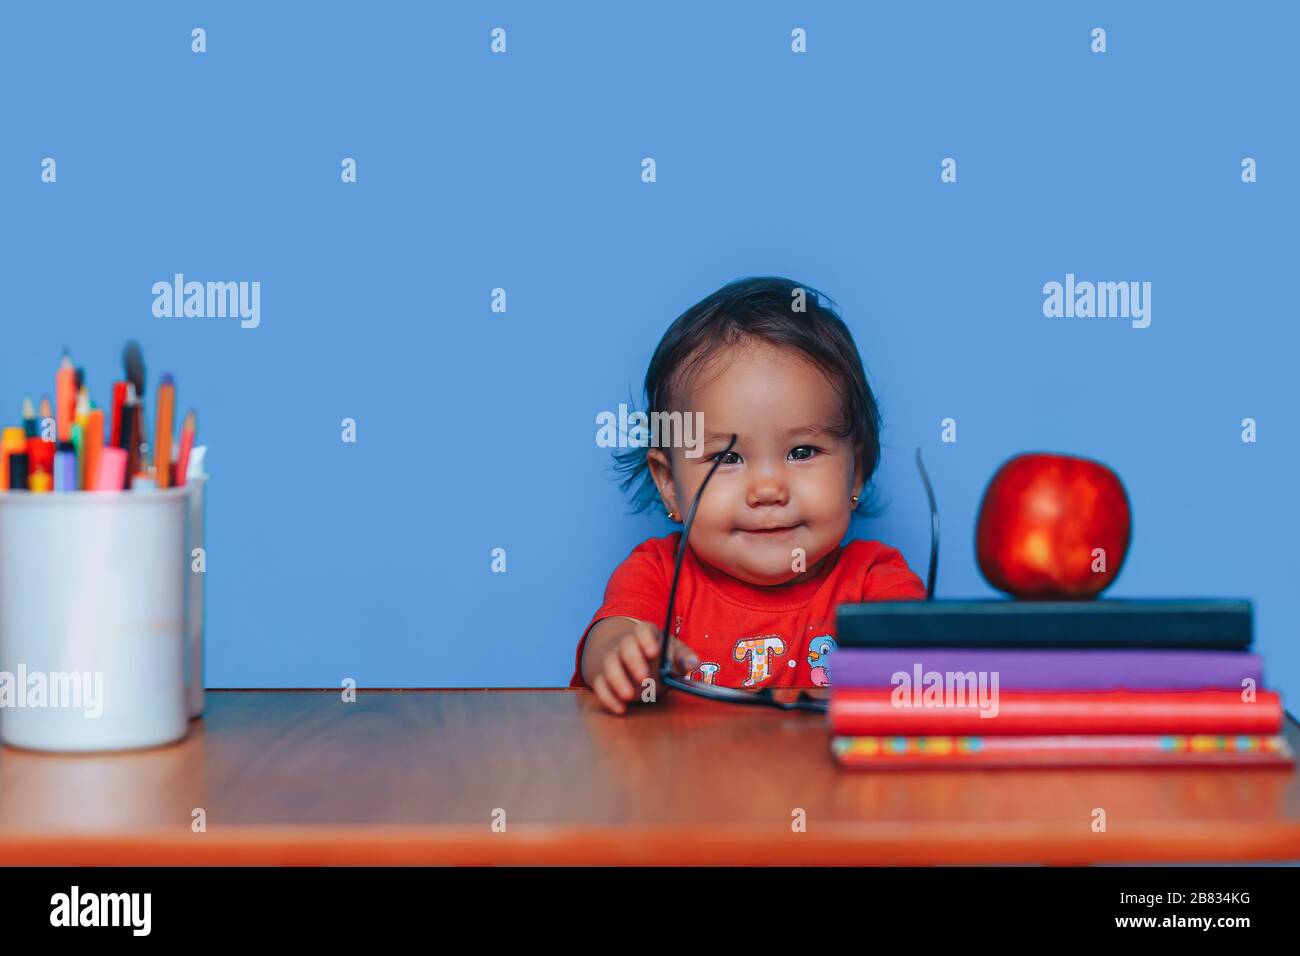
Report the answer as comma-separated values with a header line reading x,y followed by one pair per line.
x,y
111,475
129,443
17,470
40,457
115,414
133,365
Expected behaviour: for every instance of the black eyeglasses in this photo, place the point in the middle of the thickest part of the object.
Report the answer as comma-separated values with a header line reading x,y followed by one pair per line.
x,y
764,697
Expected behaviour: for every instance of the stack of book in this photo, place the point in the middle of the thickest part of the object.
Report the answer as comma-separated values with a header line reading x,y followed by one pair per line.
x,y
1015,684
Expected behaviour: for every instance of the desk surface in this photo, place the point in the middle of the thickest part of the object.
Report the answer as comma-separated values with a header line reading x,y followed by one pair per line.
x,y
415,777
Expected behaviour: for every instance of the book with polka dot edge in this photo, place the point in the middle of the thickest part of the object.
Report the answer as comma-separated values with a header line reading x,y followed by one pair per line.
x,y
1099,750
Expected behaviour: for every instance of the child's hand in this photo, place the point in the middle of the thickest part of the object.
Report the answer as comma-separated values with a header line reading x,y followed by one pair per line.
x,y
621,652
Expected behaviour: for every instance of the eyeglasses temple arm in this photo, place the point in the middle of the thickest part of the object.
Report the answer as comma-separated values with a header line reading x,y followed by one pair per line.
x,y
934,527
665,666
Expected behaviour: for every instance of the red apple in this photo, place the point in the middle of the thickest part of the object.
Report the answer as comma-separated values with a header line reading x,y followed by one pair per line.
x,y
1053,526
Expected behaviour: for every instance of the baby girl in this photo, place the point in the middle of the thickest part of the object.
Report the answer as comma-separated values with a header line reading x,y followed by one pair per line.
x,y
766,564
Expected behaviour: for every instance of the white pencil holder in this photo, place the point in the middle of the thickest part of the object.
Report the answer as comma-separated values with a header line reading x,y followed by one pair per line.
x,y
92,619
195,576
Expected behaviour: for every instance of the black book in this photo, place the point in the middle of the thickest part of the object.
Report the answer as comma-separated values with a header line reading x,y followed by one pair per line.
x,y
1169,623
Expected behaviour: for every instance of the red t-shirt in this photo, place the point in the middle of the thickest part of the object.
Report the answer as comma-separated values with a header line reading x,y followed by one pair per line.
x,y
746,635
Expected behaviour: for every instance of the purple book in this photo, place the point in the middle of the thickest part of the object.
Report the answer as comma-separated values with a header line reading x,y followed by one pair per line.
x,y
1053,669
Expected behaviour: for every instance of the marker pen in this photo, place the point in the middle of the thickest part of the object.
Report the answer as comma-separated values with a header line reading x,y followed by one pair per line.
x,y
65,467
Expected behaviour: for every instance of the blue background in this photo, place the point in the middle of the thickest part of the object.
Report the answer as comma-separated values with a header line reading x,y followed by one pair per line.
x,y
477,430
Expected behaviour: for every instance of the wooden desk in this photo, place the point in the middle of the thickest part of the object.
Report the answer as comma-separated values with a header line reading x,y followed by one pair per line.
x,y
413,777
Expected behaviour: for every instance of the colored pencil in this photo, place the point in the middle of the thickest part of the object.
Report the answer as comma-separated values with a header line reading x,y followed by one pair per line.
x,y
46,415
162,446
93,439
65,397
78,453
69,443
188,430
79,427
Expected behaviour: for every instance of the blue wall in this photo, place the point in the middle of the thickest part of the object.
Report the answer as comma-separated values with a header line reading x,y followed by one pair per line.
x,y
477,430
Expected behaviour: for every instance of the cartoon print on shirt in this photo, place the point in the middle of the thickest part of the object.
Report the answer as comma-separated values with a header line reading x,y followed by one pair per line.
x,y
819,659
705,672
759,651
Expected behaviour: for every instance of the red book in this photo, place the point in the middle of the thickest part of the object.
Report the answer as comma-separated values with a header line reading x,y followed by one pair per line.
x,y
905,711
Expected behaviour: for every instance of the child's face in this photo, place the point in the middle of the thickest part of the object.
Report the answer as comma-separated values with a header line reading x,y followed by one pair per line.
x,y
781,473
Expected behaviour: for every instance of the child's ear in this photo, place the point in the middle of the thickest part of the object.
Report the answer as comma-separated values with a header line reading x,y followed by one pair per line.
x,y
661,470
858,483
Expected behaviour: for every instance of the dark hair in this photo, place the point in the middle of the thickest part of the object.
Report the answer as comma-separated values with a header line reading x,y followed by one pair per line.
x,y
762,309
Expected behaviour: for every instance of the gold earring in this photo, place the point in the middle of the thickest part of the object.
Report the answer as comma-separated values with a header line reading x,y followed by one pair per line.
x,y
855,499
